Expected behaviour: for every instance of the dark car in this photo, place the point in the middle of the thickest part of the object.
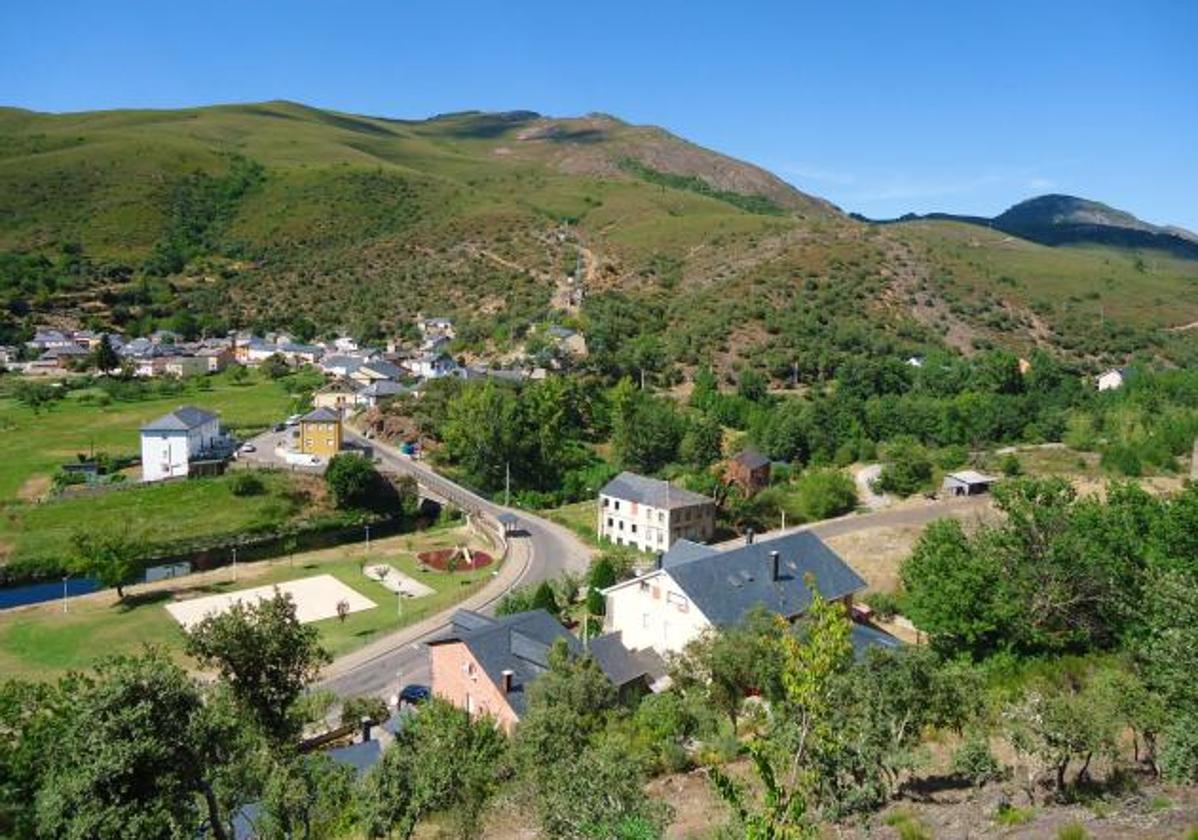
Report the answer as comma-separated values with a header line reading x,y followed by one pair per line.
x,y
414,694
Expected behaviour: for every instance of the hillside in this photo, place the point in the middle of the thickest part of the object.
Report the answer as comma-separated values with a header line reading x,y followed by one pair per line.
x,y
270,213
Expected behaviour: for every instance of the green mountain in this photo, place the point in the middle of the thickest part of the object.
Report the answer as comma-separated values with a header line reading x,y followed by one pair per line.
x,y
277,213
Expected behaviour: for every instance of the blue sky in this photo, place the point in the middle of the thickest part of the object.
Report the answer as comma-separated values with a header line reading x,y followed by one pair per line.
x,y
882,107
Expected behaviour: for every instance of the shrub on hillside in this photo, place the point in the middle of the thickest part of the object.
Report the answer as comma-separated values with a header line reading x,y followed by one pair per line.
x,y
823,493
908,468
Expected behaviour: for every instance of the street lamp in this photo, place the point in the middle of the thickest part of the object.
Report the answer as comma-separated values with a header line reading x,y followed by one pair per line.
x,y
367,539
64,592
234,564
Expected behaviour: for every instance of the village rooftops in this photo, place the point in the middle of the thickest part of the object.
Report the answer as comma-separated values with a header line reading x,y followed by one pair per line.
x,y
653,492
321,415
182,419
725,585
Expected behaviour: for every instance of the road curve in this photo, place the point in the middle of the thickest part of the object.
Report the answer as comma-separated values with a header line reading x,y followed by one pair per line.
x,y
540,550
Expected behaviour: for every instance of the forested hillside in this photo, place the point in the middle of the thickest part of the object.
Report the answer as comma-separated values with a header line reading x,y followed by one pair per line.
x,y
279,214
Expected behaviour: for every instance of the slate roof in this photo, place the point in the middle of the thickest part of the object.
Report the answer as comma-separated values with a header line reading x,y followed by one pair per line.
x,y
321,415
341,361
360,756
863,637
521,642
751,459
383,368
182,419
725,585
652,492
341,385
385,388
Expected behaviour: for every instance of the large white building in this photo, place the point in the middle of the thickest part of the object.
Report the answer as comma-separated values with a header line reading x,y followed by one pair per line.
x,y
697,587
170,443
650,514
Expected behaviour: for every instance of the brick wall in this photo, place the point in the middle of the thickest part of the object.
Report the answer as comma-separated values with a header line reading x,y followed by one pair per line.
x,y
458,679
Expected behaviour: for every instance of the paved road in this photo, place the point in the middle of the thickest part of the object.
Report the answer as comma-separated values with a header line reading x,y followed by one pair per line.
x,y
539,550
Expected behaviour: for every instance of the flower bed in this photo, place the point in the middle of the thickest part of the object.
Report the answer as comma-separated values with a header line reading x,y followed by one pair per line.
x,y
439,559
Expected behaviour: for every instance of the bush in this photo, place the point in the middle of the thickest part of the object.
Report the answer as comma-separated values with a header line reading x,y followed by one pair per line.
x,y
356,708
1010,465
823,493
355,483
1073,831
951,457
908,468
246,483
974,761
884,604
1179,750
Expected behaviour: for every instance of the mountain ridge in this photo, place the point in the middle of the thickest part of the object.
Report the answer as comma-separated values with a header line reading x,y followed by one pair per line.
x,y
1058,219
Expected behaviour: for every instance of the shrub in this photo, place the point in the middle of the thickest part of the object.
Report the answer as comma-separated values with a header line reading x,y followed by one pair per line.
x,y
974,761
1179,750
246,483
356,708
1010,465
1073,831
884,604
908,468
825,492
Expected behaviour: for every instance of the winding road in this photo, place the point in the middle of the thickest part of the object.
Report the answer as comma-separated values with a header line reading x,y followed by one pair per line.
x,y
538,550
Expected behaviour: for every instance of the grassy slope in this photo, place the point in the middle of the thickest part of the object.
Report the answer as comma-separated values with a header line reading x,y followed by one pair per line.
x,y
41,642
361,218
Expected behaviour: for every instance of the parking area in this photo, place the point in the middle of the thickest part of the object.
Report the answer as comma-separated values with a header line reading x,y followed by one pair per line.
x,y
267,448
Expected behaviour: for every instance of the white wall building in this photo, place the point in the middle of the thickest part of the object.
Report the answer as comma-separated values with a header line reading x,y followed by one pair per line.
x,y
169,443
650,514
697,587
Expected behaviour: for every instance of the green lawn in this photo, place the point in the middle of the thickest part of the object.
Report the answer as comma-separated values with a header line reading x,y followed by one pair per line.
x,y
42,643
40,534
33,445
579,517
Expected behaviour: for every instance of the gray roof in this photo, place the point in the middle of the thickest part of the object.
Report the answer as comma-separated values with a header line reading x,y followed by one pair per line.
x,y
182,419
652,491
520,643
383,368
341,385
726,584
752,459
385,388
321,415
864,637
348,362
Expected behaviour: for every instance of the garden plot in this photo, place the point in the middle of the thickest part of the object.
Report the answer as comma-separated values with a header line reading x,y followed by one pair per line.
x,y
316,598
397,581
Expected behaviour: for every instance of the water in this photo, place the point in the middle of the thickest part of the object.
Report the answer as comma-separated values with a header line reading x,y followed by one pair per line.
x,y
37,593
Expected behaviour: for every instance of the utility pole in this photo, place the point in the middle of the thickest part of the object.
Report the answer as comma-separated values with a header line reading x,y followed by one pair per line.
x,y
507,484
234,564
642,379
367,539
64,592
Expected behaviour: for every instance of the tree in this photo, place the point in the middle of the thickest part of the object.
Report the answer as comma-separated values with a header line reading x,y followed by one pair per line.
x,y
823,493
104,358
267,657
702,444
238,374
442,759
355,483
646,431
544,598
35,395
907,470
275,366
600,796
140,754
112,557
306,797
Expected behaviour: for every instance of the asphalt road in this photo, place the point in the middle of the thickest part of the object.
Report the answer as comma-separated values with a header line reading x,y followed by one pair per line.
x,y
550,549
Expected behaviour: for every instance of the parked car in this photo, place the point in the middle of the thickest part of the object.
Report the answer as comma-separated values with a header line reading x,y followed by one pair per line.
x,y
248,447
280,427
414,693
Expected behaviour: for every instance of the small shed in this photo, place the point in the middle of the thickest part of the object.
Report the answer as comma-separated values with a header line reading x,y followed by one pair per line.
x,y
507,521
967,483
749,470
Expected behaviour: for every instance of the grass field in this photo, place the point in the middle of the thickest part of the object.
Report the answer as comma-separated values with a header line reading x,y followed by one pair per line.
x,y
41,642
579,517
32,445
156,514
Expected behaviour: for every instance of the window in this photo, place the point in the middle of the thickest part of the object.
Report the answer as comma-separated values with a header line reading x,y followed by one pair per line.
x,y
616,504
621,524
606,501
633,527
609,522
644,619
661,517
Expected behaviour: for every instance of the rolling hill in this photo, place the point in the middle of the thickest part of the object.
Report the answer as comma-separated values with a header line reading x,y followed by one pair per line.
x,y
275,213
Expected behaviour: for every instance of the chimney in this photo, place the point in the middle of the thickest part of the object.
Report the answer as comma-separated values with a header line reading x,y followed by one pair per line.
x,y
775,568
749,535
505,682
367,723
657,561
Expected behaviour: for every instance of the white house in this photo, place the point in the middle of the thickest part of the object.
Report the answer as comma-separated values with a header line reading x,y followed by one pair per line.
x,y
170,443
696,587
432,365
1112,379
650,514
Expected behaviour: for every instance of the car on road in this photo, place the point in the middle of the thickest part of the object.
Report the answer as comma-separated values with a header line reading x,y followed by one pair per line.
x,y
248,447
293,420
280,427
414,693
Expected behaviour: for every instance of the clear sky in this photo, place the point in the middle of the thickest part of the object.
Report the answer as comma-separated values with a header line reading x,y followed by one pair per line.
x,y
882,107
